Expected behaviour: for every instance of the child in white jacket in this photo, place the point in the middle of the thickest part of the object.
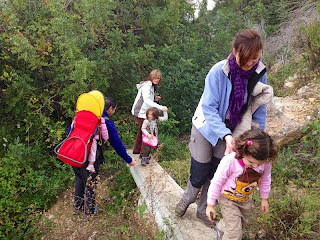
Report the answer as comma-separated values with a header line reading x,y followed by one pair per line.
x,y
150,128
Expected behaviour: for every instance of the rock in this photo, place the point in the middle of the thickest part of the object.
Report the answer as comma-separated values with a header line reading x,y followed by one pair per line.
x,y
290,83
305,92
312,100
287,116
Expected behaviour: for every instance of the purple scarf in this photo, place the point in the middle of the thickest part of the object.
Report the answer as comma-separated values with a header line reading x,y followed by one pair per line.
x,y
239,80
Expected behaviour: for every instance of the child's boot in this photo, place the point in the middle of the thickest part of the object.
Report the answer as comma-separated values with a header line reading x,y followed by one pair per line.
x,y
144,161
218,230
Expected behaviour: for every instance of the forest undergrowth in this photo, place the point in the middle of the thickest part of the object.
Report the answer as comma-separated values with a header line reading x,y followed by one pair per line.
x,y
52,51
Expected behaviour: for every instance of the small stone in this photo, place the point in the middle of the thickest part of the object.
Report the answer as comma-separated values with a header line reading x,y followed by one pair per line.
x,y
312,100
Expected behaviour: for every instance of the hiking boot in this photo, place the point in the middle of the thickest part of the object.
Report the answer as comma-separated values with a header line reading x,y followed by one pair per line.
x,y
181,208
94,210
203,217
86,218
218,230
148,160
144,161
76,212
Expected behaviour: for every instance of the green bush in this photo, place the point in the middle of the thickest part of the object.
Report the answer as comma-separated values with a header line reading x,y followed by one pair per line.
x,y
290,216
30,181
124,183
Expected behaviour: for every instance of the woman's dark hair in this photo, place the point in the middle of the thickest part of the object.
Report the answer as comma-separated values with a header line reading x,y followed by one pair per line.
x,y
256,143
154,111
110,102
247,44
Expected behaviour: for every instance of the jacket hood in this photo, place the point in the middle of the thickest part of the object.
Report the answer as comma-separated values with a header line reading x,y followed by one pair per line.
x,y
142,83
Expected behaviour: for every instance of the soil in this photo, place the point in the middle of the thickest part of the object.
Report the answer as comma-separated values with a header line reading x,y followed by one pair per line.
x,y
59,223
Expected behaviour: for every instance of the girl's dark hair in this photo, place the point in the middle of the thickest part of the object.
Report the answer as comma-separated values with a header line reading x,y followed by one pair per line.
x,y
110,102
247,43
154,111
256,143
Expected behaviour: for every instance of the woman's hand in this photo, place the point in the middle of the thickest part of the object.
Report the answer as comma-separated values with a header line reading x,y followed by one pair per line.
x,y
210,212
264,206
157,98
150,136
229,144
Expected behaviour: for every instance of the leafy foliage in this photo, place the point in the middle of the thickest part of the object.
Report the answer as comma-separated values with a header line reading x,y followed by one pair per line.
x,y
29,185
52,51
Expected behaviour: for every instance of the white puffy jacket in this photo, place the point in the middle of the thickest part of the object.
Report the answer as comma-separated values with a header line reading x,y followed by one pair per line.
x,y
144,99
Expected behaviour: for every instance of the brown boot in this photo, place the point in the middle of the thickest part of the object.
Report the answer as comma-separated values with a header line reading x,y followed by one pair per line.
x,y
204,219
181,208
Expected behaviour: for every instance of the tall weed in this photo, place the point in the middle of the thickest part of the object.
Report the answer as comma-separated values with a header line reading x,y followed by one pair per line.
x,y
309,40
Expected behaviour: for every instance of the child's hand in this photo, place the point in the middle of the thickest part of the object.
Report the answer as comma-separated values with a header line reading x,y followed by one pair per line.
x,y
264,206
150,136
211,213
164,109
134,162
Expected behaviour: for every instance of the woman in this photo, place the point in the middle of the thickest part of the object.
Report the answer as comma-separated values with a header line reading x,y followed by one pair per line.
x,y
227,94
144,100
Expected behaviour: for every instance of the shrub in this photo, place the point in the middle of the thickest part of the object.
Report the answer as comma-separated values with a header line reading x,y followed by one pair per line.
x,y
30,182
310,42
290,216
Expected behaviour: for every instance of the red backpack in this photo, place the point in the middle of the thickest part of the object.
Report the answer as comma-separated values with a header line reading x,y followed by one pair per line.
x,y
74,150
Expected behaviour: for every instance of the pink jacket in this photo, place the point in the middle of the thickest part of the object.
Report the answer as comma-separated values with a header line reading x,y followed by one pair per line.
x,y
105,136
103,130
237,182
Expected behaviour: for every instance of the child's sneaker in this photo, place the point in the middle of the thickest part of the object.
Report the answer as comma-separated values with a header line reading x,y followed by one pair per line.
x,y
217,229
148,159
90,168
144,161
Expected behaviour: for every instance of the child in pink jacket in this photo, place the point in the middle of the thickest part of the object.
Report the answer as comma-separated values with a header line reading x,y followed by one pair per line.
x,y
238,175
93,150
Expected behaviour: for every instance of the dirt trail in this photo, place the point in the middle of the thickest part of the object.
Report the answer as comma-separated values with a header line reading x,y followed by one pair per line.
x,y
59,223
